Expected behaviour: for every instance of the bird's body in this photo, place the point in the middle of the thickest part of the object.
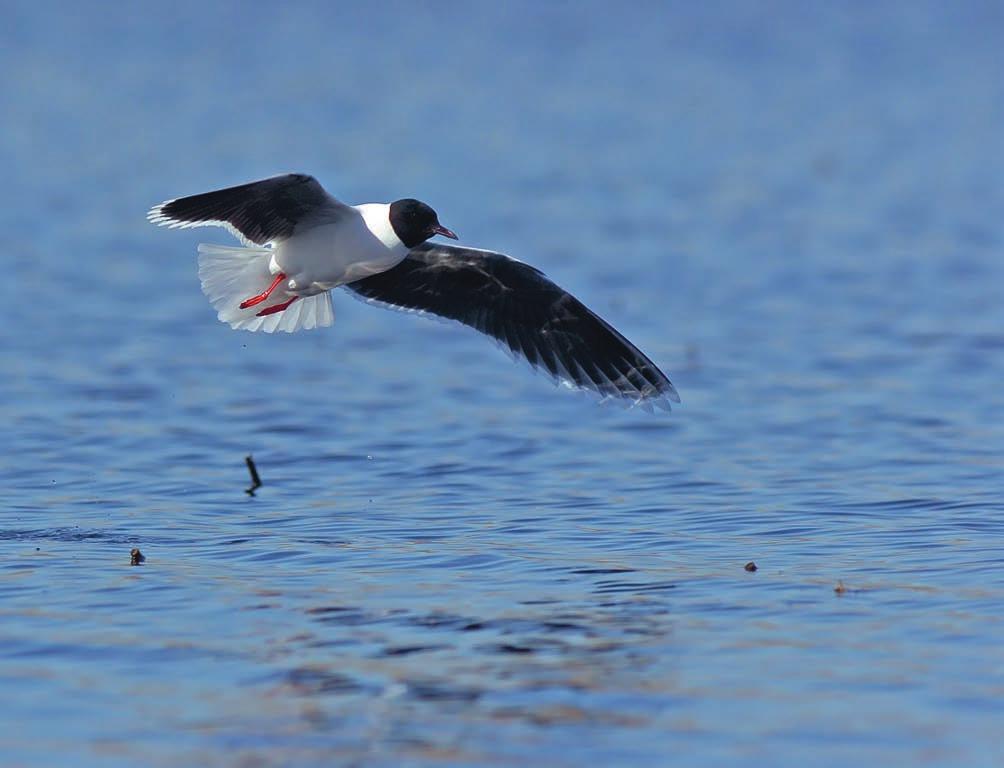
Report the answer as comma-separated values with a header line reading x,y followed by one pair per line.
x,y
300,243
361,243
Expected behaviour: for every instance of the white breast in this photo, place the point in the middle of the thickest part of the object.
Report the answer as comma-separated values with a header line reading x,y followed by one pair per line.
x,y
331,254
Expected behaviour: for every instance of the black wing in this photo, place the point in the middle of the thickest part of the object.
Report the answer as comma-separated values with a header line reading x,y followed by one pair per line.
x,y
258,212
517,305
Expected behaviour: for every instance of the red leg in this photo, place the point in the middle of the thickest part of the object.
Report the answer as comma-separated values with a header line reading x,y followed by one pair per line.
x,y
264,294
277,307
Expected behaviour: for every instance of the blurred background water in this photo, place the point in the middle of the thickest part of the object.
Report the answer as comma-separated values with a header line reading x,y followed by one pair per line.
x,y
794,208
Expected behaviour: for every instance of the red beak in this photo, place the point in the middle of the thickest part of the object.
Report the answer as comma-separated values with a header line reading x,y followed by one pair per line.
x,y
439,229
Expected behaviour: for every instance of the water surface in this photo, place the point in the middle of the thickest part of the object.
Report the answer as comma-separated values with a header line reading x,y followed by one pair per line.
x,y
793,208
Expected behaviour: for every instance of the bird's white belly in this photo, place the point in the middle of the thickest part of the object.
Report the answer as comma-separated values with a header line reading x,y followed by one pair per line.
x,y
332,254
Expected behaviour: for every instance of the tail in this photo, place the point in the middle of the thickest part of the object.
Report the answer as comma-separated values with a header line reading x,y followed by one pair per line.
x,y
230,274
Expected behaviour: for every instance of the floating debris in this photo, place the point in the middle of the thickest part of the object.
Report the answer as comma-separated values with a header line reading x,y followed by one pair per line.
x,y
136,557
255,480
750,566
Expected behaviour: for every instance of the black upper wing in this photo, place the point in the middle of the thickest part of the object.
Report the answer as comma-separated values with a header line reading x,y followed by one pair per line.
x,y
259,212
517,305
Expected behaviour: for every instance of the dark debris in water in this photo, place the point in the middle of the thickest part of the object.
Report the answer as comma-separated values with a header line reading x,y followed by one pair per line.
x,y
255,479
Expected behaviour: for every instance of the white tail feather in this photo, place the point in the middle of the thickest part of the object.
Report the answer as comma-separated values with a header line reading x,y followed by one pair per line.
x,y
231,274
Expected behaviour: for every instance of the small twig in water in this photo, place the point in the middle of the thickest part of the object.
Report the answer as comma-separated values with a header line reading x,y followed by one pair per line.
x,y
255,480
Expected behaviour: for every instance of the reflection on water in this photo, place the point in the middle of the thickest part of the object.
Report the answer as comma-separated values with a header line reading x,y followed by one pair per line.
x,y
450,561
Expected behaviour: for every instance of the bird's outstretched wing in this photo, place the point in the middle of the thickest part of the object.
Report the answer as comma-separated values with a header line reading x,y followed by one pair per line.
x,y
259,212
517,305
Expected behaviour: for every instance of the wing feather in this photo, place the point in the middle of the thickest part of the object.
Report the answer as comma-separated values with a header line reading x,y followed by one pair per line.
x,y
524,311
257,213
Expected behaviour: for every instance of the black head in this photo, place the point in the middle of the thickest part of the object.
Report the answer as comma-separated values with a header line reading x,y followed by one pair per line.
x,y
414,222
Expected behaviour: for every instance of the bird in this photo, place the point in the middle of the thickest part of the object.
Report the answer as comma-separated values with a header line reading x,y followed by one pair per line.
x,y
298,243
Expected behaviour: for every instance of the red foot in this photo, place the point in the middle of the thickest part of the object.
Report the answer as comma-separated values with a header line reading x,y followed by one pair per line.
x,y
277,308
264,294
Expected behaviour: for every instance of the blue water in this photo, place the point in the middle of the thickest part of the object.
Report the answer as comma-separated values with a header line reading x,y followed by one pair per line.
x,y
794,208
